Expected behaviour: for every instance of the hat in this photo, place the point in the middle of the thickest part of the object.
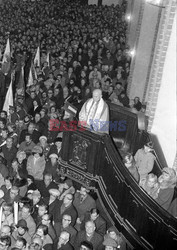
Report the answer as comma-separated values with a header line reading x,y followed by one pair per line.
x,y
37,149
54,192
113,229
1,194
36,193
69,182
20,97
58,139
12,107
149,144
30,191
53,156
22,223
42,137
110,242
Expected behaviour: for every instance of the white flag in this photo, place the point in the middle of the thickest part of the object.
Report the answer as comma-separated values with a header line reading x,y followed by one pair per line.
x,y
30,78
6,59
48,58
37,58
9,99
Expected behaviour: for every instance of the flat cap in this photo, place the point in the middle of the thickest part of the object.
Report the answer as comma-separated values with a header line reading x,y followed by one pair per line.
x,y
54,192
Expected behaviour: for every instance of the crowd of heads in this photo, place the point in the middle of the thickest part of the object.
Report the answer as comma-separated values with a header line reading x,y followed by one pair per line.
x,y
88,50
160,186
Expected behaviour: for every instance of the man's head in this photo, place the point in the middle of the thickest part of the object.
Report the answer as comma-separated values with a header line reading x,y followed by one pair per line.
x,y
66,220
9,142
22,227
14,192
54,193
20,243
36,243
84,192
42,209
47,179
68,199
97,95
110,244
26,209
86,245
94,213
63,239
5,231
42,230
31,127
46,219
5,242
90,228
7,209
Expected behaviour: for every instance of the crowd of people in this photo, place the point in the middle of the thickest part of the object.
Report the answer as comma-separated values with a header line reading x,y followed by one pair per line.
x,y
87,51
160,188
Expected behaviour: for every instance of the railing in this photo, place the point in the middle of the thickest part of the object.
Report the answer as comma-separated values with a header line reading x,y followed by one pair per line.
x,y
93,161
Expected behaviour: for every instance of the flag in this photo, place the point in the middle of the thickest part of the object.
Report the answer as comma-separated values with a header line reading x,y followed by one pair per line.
x,y
6,59
30,78
37,58
9,98
48,58
21,83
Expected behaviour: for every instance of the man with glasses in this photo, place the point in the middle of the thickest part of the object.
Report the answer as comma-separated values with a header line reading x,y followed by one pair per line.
x,y
36,244
63,242
65,225
47,220
66,207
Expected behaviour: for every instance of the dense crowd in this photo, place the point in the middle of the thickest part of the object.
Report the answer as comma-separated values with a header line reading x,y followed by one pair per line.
x,y
88,50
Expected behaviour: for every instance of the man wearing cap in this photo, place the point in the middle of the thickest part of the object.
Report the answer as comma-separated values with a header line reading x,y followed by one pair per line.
x,y
22,231
110,244
113,235
144,159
